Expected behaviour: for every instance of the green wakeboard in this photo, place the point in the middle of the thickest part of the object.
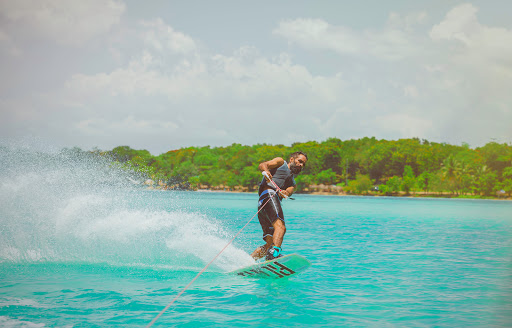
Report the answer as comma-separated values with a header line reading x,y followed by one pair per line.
x,y
281,267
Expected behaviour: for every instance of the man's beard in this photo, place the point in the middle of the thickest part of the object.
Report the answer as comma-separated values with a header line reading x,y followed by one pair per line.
x,y
294,168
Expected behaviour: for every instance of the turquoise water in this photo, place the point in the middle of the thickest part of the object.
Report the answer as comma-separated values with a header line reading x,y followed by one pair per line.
x,y
81,247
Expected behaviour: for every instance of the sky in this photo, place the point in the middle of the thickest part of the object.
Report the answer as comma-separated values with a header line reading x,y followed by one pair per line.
x,y
162,75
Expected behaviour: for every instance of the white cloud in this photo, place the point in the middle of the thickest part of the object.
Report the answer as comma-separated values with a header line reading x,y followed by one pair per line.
x,y
190,94
476,41
478,58
457,24
163,37
391,43
243,77
317,33
63,21
136,78
448,81
464,70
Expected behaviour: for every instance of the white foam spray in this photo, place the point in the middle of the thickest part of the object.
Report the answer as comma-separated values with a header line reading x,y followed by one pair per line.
x,y
68,206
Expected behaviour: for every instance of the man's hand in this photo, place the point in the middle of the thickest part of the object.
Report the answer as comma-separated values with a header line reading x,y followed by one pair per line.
x,y
283,194
267,176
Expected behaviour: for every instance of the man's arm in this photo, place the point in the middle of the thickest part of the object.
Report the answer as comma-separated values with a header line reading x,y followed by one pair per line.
x,y
289,191
269,165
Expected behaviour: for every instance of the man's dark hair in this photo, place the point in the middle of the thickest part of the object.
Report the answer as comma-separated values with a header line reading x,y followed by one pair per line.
x,y
297,153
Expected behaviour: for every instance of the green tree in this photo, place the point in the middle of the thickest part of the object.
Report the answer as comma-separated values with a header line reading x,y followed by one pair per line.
x,y
412,163
438,183
362,184
194,182
326,177
424,180
497,156
303,182
455,172
184,171
393,185
507,186
488,183
507,172
408,181
249,177
125,153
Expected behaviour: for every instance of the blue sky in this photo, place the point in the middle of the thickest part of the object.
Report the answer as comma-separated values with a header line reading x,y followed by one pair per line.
x,y
161,75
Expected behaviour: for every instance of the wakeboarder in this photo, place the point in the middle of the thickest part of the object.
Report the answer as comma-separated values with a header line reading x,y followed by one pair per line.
x,y
278,183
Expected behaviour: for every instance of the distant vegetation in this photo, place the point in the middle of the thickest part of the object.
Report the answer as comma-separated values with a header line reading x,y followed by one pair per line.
x,y
360,166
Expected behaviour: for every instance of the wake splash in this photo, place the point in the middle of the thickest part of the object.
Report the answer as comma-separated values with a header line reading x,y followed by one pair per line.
x,y
72,208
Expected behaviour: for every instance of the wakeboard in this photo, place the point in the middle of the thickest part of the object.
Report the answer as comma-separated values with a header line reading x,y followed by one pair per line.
x,y
281,267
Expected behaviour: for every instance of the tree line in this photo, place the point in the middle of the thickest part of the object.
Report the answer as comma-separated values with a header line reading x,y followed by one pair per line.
x,y
357,166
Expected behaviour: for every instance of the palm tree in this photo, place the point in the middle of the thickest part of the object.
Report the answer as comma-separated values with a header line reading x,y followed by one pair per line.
x,y
451,172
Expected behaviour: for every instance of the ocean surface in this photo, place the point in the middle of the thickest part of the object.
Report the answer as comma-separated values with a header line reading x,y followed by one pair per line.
x,y
82,246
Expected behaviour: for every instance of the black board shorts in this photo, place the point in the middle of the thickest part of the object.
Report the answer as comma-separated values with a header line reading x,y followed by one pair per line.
x,y
271,212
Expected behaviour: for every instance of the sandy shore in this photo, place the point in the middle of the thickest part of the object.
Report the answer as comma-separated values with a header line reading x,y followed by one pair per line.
x,y
373,194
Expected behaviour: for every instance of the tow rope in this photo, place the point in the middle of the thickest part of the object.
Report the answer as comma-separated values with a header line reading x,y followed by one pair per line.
x,y
207,265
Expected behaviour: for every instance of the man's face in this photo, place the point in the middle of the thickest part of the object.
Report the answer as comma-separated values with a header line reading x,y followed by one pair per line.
x,y
297,164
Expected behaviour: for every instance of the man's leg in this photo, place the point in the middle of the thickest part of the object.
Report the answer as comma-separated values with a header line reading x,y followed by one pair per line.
x,y
279,231
262,250
273,232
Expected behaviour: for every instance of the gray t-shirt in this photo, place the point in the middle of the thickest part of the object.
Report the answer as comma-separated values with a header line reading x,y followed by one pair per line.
x,y
282,176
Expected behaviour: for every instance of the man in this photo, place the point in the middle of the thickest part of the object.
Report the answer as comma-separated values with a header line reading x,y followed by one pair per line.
x,y
271,215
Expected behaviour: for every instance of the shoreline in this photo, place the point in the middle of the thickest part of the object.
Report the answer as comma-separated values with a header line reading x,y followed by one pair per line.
x,y
370,194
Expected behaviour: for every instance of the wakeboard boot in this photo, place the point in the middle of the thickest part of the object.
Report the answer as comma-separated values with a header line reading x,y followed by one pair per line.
x,y
273,253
